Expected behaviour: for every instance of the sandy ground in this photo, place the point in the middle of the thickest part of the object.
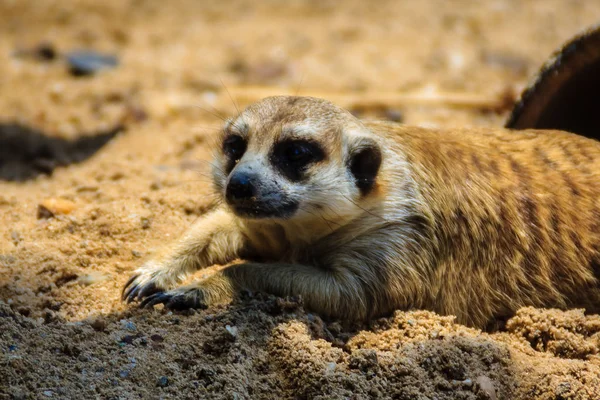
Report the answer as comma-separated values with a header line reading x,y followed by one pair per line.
x,y
64,332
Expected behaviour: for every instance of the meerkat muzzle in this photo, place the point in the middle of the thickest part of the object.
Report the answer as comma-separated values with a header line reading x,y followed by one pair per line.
x,y
241,188
253,196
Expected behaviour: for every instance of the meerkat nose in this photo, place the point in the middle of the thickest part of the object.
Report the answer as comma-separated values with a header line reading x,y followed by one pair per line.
x,y
240,187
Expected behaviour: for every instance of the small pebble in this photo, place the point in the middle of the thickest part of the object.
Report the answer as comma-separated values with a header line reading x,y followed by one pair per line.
x,y
330,367
54,206
233,330
130,326
88,62
127,339
163,381
47,393
487,386
124,373
157,338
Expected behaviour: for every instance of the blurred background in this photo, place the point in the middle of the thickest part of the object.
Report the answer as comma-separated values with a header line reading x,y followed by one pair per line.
x,y
431,62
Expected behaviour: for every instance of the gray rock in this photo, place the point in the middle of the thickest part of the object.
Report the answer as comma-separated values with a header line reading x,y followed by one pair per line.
x,y
88,62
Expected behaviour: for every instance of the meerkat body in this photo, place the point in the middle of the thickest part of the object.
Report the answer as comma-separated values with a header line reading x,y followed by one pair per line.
x,y
362,218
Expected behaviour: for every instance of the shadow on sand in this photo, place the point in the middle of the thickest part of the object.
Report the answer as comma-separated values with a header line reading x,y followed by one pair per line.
x,y
26,153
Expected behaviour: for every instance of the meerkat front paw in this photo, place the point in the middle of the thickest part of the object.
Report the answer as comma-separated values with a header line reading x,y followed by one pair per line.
x,y
152,278
177,299
212,290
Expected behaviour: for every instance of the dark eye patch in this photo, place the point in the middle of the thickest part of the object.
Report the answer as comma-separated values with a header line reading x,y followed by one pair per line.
x,y
234,147
293,156
364,166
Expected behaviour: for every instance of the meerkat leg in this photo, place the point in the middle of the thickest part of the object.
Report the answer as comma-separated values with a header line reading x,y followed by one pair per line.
x,y
327,291
213,239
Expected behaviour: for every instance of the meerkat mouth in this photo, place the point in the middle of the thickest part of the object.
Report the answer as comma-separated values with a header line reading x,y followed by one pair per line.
x,y
255,210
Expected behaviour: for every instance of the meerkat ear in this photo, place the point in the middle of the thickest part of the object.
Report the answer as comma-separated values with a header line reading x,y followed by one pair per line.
x,y
364,163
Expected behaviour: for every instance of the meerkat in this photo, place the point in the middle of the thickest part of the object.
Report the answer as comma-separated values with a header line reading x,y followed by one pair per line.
x,y
361,218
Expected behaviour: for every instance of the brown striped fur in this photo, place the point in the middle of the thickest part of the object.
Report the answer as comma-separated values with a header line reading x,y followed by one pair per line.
x,y
515,214
470,222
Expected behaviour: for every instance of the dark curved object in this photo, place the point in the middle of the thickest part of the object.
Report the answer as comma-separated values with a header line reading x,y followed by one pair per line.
x,y
565,95
26,152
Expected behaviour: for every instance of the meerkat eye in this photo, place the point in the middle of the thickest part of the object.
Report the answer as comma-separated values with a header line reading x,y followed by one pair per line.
x,y
293,156
234,147
298,153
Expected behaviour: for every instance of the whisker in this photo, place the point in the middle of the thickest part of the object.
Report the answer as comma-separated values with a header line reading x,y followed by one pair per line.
x,y
329,208
202,174
188,181
362,208
319,214
323,211
207,127
300,84
230,97
350,200
323,218
214,113
211,163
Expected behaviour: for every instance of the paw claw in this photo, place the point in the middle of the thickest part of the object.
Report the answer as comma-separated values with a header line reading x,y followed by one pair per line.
x,y
148,287
173,300
149,290
156,298
128,288
132,295
138,288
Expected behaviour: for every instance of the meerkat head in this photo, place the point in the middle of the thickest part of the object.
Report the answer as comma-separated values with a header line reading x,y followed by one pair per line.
x,y
296,158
